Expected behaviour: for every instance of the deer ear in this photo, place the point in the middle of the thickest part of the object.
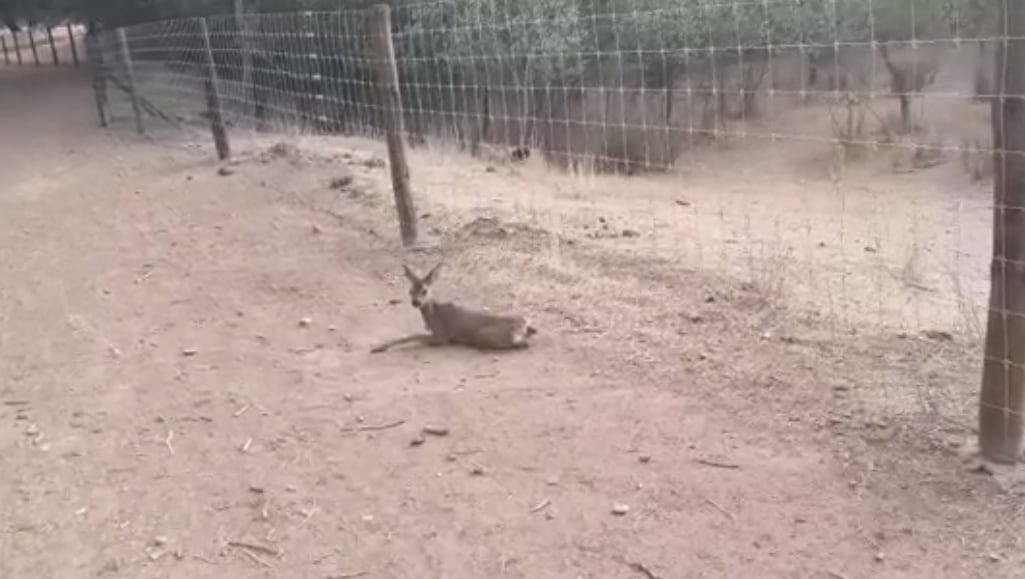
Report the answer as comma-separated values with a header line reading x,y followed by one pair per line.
x,y
410,275
432,275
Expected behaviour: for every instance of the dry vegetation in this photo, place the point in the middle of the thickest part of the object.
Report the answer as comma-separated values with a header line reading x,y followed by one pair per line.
x,y
771,364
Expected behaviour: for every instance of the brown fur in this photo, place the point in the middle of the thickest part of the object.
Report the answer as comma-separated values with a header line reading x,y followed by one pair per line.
x,y
451,324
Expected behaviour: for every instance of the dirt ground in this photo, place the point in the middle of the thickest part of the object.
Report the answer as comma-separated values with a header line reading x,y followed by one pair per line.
x,y
187,389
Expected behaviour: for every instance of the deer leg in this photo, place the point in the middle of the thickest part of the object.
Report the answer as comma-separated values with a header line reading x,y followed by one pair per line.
x,y
422,338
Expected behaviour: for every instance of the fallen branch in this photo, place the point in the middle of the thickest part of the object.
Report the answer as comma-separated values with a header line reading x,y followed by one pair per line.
x,y
720,508
717,464
167,441
254,547
640,568
541,505
367,427
258,560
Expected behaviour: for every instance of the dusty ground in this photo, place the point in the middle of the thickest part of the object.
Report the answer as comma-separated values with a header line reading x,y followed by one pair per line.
x,y
162,406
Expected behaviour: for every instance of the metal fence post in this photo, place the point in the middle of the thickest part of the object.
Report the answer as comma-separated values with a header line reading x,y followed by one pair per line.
x,y
99,77
133,94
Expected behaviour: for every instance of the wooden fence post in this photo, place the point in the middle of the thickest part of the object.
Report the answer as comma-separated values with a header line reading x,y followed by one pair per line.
x,y
390,100
7,57
133,94
1002,397
32,45
213,96
53,47
99,77
17,49
71,41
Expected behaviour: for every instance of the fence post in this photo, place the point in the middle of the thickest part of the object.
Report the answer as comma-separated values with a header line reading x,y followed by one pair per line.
x,y
53,47
133,94
7,57
32,45
213,96
17,49
99,77
390,100
71,41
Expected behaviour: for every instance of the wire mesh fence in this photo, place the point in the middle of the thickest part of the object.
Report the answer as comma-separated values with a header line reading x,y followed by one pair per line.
x,y
41,45
834,155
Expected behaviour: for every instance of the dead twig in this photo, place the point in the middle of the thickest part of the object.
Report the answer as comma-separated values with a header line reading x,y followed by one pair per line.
x,y
541,505
837,575
640,568
254,547
258,560
367,427
720,508
717,464
348,575
167,441
16,403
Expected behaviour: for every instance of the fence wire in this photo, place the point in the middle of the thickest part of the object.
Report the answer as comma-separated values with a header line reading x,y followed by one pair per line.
x,y
835,154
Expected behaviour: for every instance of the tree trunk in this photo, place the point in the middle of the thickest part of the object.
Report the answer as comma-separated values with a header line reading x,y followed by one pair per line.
x,y
1002,399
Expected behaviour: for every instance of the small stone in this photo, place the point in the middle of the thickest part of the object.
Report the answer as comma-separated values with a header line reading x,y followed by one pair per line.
x,y
477,470
226,171
367,518
644,459
436,430
187,352
620,509
489,169
305,322
160,541
341,182
315,230
417,440
683,203
552,481
630,233
880,556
